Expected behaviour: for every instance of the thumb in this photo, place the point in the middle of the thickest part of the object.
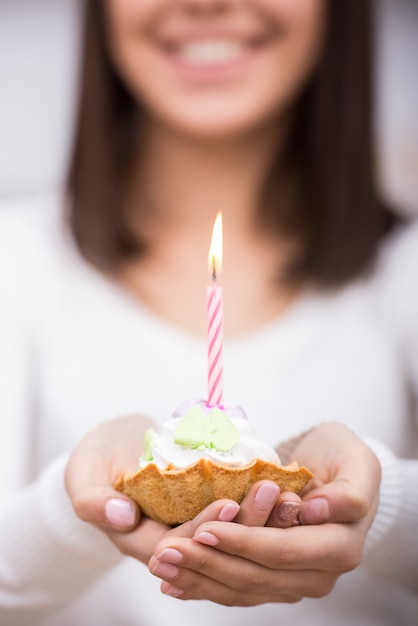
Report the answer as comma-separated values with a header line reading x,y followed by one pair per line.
x,y
348,488
99,459
337,501
106,507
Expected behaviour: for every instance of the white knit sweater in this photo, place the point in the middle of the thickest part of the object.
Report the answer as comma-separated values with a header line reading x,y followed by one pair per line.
x,y
75,350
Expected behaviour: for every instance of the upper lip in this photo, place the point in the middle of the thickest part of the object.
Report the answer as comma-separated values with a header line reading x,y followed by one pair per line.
x,y
174,43
175,40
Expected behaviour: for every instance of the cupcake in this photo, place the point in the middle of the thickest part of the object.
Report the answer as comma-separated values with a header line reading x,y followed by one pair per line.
x,y
200,455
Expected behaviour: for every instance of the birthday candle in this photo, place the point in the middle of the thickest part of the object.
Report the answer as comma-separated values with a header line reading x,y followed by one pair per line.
x,y
215,318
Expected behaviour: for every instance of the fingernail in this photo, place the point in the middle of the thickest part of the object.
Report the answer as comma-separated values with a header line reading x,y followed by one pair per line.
x,y
170,590
207,538
315,511
165,570
170,555
228,512
286,514
266,496
120,512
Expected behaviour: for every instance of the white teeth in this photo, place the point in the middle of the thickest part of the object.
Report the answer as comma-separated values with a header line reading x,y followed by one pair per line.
x,y
211,52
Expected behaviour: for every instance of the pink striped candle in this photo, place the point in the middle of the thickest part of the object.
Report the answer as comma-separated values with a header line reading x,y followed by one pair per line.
x,y
215,318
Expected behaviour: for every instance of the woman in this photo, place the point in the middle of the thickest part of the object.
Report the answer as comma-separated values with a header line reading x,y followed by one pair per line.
x,y
261,109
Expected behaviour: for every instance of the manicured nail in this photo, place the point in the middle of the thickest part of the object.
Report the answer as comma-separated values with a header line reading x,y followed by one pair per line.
x,y
170,590
266,496
228,512
315,511
286,514
165,570
120,512
170,555
207,538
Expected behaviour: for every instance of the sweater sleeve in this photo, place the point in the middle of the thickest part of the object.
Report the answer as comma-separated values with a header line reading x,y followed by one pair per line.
x,y
391,550
47,555
392,546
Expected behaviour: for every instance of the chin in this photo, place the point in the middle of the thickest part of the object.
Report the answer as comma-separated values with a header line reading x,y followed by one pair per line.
x,y
214,124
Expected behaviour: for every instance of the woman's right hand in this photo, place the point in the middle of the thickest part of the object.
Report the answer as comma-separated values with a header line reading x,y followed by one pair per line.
x,y
100,458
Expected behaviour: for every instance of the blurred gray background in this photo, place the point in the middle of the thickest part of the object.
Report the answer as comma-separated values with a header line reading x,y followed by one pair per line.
x,y
39,49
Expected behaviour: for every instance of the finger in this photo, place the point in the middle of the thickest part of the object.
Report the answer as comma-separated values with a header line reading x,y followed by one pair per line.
x,y
220,510
106,507
349,496
327,547
258,504
207,573
347,475
285,512
100,458
338,501
222,594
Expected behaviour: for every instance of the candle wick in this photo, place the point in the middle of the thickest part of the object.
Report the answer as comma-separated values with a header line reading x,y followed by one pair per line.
x,y
213,269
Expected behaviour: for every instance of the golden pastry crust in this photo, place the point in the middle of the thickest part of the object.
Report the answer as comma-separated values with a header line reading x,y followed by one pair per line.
x,y
174,496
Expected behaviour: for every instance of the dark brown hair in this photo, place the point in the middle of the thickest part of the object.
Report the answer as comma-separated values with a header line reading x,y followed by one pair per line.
x,y
336,214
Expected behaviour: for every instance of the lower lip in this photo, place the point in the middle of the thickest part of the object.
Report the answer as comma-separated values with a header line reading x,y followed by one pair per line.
x,y
210,73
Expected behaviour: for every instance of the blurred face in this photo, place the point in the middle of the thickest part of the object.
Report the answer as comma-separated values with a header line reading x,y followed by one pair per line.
x,y
215,68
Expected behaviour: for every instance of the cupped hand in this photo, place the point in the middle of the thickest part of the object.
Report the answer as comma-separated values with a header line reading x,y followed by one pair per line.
x,y
104,453
346,482
346,472
97,462
242,565
236,565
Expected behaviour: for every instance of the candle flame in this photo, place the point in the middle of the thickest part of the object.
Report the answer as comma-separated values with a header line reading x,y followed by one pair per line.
x,y
215,252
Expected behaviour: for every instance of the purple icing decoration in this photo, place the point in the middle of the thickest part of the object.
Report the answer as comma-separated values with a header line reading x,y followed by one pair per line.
x,y
235,412
213,406
205,407
184,408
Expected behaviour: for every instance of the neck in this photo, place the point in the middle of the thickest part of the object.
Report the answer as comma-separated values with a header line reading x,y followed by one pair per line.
x,y
180,186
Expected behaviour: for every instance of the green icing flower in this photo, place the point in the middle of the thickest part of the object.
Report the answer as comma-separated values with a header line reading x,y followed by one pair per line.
x,y
148,443
214,430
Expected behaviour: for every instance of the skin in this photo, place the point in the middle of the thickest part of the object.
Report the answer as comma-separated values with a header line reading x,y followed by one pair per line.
x,y
211,143
101,457
250,561
283,38
246,566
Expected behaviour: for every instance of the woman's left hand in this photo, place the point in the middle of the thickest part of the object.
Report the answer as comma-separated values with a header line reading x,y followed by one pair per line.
x,y
240,564
255,565
99,459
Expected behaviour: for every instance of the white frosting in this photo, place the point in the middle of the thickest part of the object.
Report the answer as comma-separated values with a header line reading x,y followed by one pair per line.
x,y
165,451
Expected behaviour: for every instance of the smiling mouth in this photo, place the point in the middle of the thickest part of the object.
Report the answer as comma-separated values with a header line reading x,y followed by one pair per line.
x,y
212,52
